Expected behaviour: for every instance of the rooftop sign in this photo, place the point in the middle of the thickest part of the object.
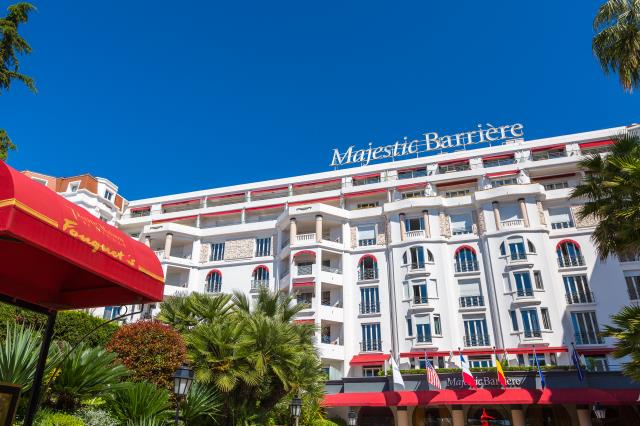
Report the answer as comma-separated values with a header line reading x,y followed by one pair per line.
x,y
430,142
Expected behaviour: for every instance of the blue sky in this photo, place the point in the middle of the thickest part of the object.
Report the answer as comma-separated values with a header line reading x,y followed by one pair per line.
x,y
165,96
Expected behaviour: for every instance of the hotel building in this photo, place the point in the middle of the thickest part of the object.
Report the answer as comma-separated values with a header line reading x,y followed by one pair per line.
x,y
459,252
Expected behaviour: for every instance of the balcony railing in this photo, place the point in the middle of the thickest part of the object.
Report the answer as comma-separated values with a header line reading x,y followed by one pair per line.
x,y
453,168
371,346
477,340
369,308
367,274
305,270
547,155
420,300
416,265
423,338
569,261
471,301
517,256
367,242
213,287
332,270
589,338
512,223
561,225
306,237
531,334
466,266
461,231
258,284
527,292
412,235
581,297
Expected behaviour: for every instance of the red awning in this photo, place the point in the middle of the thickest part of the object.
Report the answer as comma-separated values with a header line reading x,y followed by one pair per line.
x,y
316,183
221,213
317,200
595,144
547,148
364,193
369,359
415,185
175,219
500,174
272,206
564,175
450,162
457,182
179,203
483,397
59,256
217,197
498,157
304,284
279,188
304,321
140,209
370,175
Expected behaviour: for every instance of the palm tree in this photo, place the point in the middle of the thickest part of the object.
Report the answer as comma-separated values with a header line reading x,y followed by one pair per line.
x,y
611,191
617,40
626,330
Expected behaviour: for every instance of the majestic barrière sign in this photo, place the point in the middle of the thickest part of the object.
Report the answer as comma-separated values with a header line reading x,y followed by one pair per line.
x,y
429,142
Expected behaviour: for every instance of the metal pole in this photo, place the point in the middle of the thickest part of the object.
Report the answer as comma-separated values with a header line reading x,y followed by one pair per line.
x,y
177,418
34,399
296,423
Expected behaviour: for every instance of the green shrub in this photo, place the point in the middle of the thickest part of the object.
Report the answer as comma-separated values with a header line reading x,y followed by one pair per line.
x,y
47,418
141,403
97,417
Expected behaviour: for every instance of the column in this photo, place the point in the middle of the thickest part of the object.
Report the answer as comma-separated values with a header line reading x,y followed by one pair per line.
x,y
293,231
584,415
167,245
427,225
517,415
402,416
147,241
496,213
243,215
403,229
523,211
457,415
318,228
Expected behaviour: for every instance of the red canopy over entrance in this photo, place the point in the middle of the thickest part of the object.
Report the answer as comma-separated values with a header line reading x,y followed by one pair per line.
x,y
58,256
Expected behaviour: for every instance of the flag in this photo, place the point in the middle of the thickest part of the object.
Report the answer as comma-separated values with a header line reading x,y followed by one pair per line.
x,y
501,378
467,377
542,381
576,363
432,375
398,382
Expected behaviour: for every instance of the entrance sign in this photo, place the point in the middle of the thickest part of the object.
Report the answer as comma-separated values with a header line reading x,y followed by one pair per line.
x,y
430,142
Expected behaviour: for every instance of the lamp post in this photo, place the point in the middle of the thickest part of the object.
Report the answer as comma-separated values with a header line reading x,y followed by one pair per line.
x,y
600,412
295,406
182,380
352,417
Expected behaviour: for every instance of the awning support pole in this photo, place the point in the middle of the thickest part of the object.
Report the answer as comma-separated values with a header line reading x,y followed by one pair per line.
x,y
36,389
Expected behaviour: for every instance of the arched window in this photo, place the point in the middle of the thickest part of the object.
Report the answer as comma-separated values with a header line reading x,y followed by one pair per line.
x,y
260,277
415,257
214,282
569,254
531,247
517,250
466,259
367,268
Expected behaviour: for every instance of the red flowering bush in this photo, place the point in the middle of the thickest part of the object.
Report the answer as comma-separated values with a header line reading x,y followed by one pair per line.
x,y
151,350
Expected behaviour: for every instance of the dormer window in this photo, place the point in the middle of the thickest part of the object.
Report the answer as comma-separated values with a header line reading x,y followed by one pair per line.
x,y
108,195
73,187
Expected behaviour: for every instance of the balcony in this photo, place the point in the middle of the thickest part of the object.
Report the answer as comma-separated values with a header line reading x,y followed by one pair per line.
x,y
477,340
562,225
311,237
370,308
532,334
452,168
578,298
371,346
367,242
304,270
570,261
367,274
461,231
334,350
548,155
516,257
589,338
420,300
466,266
423,338
415,235
527,292
471,301
256,285
511,223
332,270
332,313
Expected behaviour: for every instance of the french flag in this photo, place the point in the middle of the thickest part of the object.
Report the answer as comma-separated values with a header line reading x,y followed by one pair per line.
x,y
467,377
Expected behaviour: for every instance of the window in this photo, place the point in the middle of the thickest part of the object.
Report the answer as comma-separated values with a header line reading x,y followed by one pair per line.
x,y
585,326
437,325
111,312
366,235
325,298
367,268
547,154
414,224
370,205
411,194
108,195
553,360
457,193
457,166
416,256
476,333
461,224
556,185
371,337
263,246
420,296
410,174
304,298
560,218
470,294
505,160
409,327
537,278
214,282
480,361
369,300
423,329
546,320
517,249
509,213
365,180
514,321
541,361
74,186
569,254
370,371
633,286
530,323
217,251
577,289
523,284
466,259
496,183
260,277
596,363
520,360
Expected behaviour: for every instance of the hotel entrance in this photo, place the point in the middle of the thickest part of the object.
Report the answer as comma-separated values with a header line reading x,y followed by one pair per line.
x,y
375,416
432,416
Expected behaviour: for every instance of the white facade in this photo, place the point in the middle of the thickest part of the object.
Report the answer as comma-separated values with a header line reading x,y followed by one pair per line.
x,y
439,253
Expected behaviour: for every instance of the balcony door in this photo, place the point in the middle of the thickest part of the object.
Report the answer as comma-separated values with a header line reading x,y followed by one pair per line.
x,y
476,332
371,337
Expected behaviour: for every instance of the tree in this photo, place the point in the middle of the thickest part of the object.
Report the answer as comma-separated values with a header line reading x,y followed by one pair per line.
x,y
626,330
6,145
151,350
611,190
617,40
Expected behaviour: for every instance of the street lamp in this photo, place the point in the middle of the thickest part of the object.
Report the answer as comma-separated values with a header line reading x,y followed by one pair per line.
x,y
600,411
182,380
353,417
295,406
